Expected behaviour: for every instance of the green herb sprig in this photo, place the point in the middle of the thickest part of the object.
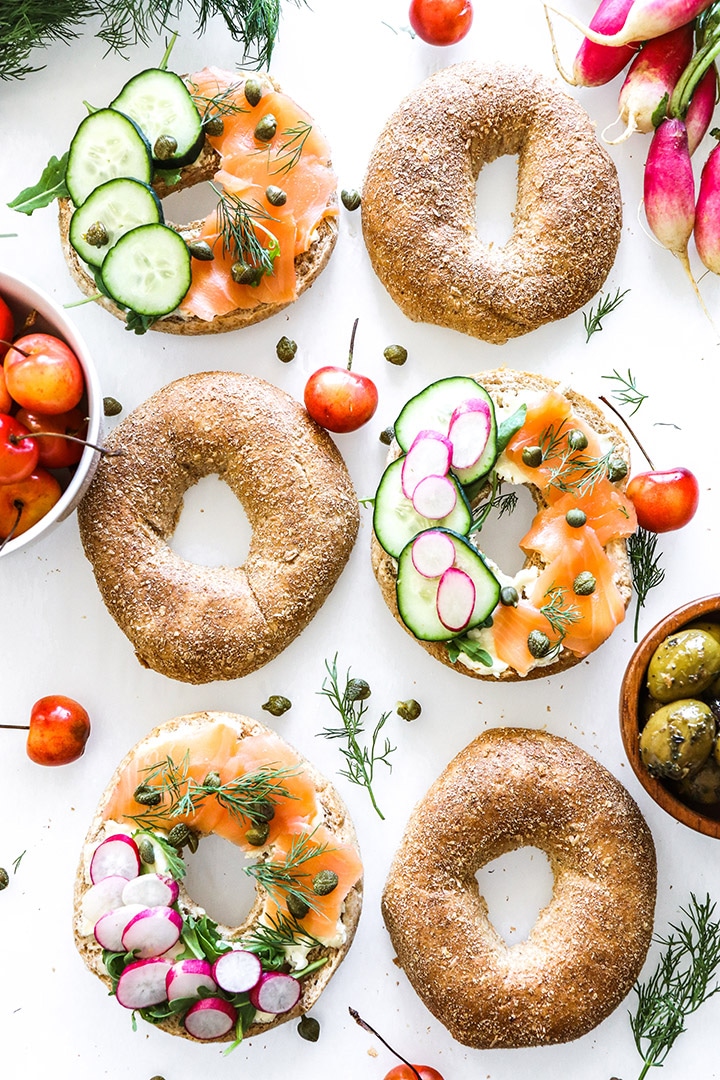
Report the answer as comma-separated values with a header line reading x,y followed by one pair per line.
x,y
283,879
628,393
504,504
593,318
558,613
289,151
645,567
238,224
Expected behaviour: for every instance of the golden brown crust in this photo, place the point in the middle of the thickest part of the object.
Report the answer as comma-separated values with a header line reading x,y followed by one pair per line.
x,y
198,623
501,382
335,817
418,203
512,788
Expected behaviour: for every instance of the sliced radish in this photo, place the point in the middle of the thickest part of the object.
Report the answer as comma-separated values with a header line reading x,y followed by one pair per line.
x,y
142,983
470,427
110,927
151,890
103,897
118,854
433,552
434,497
210,1018
275,993
429,455
455,599
152,932
186,977
237,971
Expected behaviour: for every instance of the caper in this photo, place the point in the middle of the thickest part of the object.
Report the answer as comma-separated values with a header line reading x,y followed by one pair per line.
x,y
395,354
486,623
408,710
193,842
164,148
387,435
276,705
214,125
258,834
324,882
297,907
677,739
178,835
286,349
577,440
532,456
703,786
350,198
201,250
509,596
576,517
265,128
275,195
253,91
309,1028
97,235
4,878
538,644
357,690
584,584
212,780
111,406
263,810
683,665
147,796
157,1078
242,274
146,850
616,468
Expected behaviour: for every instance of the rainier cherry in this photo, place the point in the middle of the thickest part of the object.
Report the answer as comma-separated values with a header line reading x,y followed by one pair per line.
x,y
58,730
23,503
7,326
338,398
18,454
441,22
406,1071
57,453
43,374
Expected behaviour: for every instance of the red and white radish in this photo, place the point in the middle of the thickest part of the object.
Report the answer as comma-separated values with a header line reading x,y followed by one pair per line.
x,y
429,455
187,977
433,552
275,992
646,19
455,599
237,971
469,431
116,855
434,497
669,189
596,65
707,213
651,79
142,983
102,897
701,108
210,1018
152,932
151,890
111,926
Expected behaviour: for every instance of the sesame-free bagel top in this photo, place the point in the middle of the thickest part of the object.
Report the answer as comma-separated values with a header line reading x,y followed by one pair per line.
x,y
419,197
198,623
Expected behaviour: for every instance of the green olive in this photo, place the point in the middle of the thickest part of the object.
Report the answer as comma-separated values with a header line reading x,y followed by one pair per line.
x,y
678,739
711,628
649,707
703,786
684,664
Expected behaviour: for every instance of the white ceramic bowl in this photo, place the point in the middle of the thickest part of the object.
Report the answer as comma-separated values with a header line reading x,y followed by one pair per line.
x,y
22,297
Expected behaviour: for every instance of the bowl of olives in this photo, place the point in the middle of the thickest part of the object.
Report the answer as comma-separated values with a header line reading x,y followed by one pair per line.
x,y
670,714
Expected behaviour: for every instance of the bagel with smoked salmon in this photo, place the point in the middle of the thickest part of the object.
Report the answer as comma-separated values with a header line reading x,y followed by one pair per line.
x,y
200,623
419,203
137,927
461,446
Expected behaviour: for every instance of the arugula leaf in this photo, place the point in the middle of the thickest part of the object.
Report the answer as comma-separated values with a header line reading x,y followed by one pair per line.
x,y
510,427
49,187
202,938
138,324
471,649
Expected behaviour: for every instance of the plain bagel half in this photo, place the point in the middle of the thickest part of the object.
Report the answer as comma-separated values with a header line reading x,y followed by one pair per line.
x,y
418,203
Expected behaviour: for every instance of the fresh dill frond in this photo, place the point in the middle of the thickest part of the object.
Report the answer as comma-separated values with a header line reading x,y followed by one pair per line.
x,y
270,940
628,393
285,878
593,318
223,103
289,152
16,862
33,24
559,614
579,474
238,225
132,22
552,439
645,568
504,504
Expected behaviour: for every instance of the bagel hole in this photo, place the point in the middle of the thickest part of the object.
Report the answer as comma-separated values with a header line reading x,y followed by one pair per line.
x,y
495,199
516,887
500,537
213,529
216,880
192,204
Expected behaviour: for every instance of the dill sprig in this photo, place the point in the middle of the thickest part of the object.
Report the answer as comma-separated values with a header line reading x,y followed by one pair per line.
x,y
361,760
270,940
552,439
628,393
579,474
504,504
593,318
559,614
289,152
223,103
645,568
682,981
29,24
238,225
284,879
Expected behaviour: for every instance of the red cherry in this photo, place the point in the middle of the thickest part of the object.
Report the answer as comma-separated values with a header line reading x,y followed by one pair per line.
x,y
664,501
338,398
7,326
43,374
57,453
441,22
24,503
18,455
6,402
58,730
404,1072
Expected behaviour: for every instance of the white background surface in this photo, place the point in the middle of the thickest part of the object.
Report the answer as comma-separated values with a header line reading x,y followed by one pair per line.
x,y
349,65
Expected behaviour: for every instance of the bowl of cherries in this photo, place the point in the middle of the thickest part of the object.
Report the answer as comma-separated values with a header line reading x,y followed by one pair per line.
x,y
51,413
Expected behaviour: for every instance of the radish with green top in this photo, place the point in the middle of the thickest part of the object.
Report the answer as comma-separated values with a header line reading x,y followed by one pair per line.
x,y
142,983
707,213
210,1018
275,992
646,19
187,977
237,971
701,108
116,855
651,79
596,65
152,932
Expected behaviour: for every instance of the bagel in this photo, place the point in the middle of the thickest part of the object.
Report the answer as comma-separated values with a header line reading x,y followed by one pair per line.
x,y
555,552
508,789
418,203
213,757
198,623
235,161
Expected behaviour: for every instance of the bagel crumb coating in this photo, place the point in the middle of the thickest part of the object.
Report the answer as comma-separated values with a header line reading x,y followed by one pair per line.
x,y
510,788
199,623
419,203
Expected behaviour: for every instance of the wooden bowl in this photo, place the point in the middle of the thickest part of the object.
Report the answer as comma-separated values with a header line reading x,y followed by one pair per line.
x,y
704,819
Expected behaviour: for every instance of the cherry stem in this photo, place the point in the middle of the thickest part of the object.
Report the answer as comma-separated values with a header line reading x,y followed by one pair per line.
x,y
621,417
352,344
364,1024
11,346
15,439
19,506
15,727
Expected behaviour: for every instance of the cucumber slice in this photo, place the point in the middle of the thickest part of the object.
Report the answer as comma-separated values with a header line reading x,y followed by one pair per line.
x,y
417,595
396,521
116,207
105,146
148,270
160,104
